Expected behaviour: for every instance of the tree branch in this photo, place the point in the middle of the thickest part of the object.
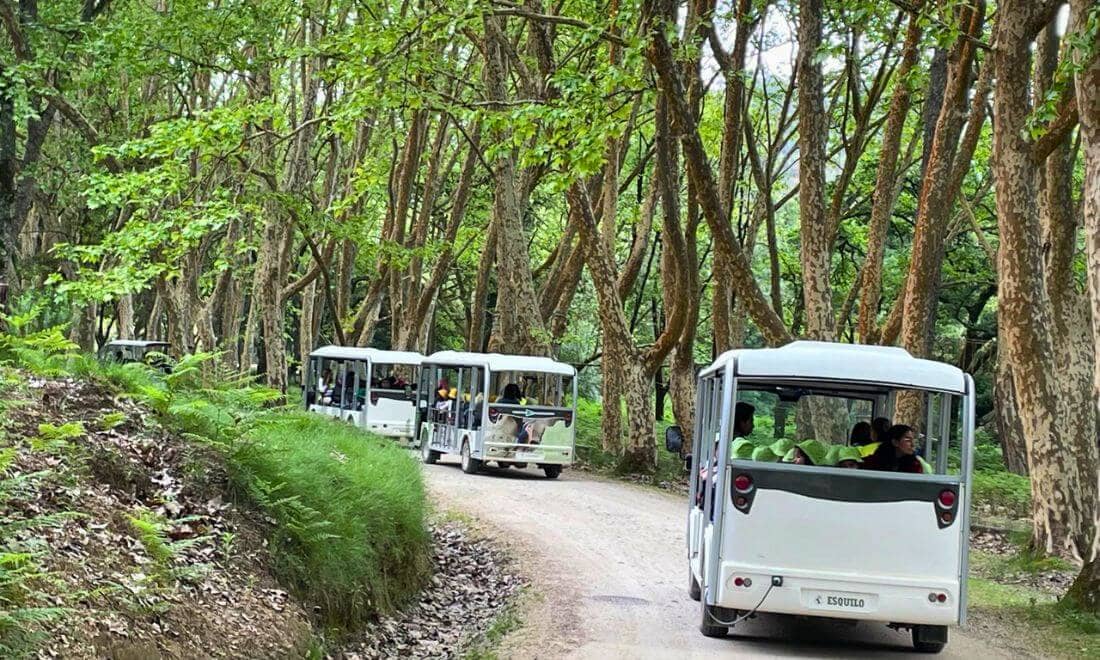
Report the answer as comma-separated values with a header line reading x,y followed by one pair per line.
x,y
1058,130
81,123
556,20
18,42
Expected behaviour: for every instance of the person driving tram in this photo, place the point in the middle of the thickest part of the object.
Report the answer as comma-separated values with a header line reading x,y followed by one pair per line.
x,y
512,395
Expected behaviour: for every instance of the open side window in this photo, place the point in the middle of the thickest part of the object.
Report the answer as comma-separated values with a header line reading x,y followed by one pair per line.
x,y
821,418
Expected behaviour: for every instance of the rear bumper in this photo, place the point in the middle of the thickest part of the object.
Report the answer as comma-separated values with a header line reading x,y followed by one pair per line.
x,y
890,600
540,454
397,430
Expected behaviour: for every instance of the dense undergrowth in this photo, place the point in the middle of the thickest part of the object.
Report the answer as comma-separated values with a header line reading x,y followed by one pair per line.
x,y
345,511
592,456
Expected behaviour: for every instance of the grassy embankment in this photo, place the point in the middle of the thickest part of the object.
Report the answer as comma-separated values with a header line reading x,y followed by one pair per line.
x,y
1006,596
346,511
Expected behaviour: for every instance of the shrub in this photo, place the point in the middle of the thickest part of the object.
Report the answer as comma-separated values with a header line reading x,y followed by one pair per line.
x,y
350,509
1003,491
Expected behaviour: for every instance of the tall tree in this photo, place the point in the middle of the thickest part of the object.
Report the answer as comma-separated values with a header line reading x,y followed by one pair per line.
x,y
1062,519
815,232
1085,591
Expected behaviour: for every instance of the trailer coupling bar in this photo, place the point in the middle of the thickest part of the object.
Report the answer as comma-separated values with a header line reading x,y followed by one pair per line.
x,y
777,581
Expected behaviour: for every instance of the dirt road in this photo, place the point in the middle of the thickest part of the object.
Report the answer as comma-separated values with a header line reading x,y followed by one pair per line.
x,y
609,577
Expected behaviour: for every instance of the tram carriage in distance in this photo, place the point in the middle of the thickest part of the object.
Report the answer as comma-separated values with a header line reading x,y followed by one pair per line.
x,y
124,351
371,388
511,410
131,350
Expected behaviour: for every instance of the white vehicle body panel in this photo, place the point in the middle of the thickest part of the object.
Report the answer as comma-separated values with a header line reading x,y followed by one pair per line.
x,y
499,362
890,555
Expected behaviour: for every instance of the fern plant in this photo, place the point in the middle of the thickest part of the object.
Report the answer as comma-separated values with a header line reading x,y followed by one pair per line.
x,y
21,617
21,620
52,437
152,532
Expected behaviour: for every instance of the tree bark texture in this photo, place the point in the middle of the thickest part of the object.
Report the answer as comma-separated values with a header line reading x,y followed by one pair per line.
x,y
1072,330
1010,432
816,241
934,207
518,326
883,197
1087,87
1060,522
632,385
1085,590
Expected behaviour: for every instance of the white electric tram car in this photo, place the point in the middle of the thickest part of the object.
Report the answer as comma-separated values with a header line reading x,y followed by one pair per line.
x,y
512,410
767,536
368,387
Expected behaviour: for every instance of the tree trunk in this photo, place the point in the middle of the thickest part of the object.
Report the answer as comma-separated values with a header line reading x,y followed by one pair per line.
x,y
815,236
475,337
933,210
727,249
229,301
611,390
519,327
153,329
1085,590
82,330
1009,430
306,328
629,380
8,169
883,198
680,281
1072,320
126,316
1087,85
639,453
1060,522
940,185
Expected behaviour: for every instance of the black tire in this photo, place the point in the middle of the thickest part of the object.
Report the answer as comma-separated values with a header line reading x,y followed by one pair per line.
x,y
429,455
708,627
925,646
502,464
552,471
694,590
470,465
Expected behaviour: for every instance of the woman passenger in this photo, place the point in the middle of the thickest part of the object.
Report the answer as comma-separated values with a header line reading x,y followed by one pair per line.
x,y
896,453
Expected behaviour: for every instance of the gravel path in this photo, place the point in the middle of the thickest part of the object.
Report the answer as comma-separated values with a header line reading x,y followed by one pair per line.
x,y
607,565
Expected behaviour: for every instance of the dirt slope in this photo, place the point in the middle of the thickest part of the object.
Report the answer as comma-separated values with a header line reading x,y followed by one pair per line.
x,y
607,563
195,583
